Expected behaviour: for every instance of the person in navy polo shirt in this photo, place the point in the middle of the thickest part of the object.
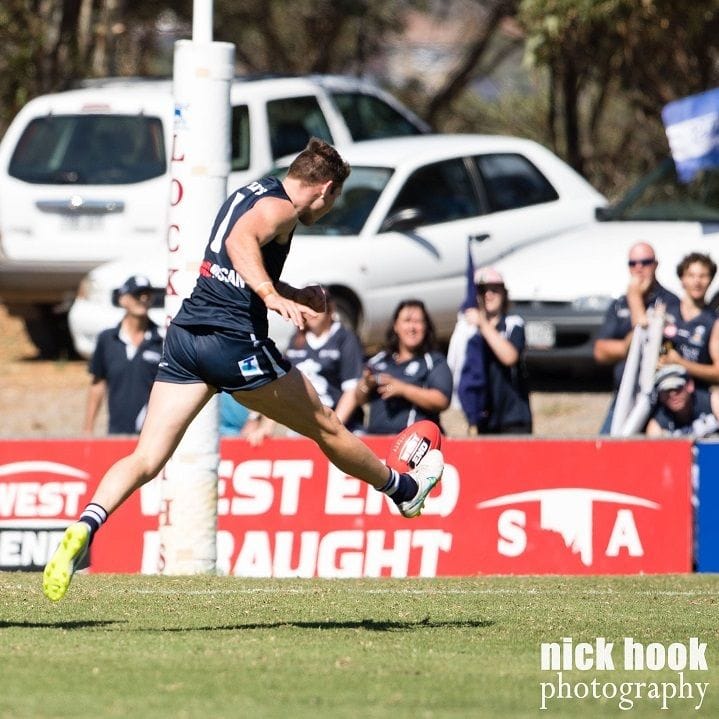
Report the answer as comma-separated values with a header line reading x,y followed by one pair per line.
x,y
611,346
409,379
492,388
125,362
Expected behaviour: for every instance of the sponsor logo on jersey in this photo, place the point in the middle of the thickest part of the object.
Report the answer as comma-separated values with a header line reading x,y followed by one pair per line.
x,y
224,274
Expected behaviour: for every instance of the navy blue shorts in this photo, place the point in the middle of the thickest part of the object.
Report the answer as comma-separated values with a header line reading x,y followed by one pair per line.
x,y
219,358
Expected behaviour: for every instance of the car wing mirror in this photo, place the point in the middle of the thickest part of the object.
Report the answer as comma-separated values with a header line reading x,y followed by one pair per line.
x,y
402,220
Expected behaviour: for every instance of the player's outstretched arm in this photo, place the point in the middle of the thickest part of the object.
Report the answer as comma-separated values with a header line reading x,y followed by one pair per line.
x,y
270,219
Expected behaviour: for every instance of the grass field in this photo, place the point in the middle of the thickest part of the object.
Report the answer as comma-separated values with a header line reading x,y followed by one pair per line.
x,y
134,646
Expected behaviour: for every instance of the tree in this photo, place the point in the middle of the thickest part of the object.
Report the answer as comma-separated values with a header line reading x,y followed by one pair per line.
x,y
46,45
613,64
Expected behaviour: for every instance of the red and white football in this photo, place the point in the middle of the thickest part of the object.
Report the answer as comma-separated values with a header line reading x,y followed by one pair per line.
x,y
412,443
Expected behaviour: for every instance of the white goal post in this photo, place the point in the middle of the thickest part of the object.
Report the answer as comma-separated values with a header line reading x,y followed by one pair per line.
x,y
200,164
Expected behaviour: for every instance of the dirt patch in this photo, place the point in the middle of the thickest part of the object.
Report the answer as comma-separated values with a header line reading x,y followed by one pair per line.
x,y
42,399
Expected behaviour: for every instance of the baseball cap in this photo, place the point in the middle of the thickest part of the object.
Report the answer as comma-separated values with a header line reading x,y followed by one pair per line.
x,y
134,285
488,276
672,376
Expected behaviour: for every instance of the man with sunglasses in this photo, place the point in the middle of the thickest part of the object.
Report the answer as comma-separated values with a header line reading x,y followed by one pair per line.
x,y
611,345
682,409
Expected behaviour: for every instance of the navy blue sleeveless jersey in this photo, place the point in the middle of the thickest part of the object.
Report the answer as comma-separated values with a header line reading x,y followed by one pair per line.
x,y
692,339
220,297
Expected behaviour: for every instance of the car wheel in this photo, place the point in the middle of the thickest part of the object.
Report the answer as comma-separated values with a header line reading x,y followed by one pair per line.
x,y
49,332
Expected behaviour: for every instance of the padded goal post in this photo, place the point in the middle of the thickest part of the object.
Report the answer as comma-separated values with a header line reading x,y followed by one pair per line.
x,y
203,71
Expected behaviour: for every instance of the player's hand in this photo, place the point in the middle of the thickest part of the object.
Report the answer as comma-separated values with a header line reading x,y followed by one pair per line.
x,y
289,309
313,296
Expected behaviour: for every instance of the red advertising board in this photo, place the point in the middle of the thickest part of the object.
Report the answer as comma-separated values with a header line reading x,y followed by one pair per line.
x,y
504,506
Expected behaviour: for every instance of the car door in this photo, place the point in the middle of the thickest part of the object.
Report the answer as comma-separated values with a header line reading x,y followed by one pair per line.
x,y
522,206
491,202
426,261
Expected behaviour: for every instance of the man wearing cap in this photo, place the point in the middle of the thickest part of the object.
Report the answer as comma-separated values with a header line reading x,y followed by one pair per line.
x,y
624,314
682,410
125,362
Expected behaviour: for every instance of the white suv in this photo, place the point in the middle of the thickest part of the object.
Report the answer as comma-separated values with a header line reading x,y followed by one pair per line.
x,y
84,174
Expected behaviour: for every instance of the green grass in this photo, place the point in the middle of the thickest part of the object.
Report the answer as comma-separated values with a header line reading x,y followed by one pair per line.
x,y
211,647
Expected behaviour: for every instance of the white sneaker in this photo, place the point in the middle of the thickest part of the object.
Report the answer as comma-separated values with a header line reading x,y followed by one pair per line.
x,y
427,473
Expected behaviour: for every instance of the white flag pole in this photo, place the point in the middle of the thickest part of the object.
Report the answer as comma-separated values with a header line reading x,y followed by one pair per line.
x,y
202,75
639,414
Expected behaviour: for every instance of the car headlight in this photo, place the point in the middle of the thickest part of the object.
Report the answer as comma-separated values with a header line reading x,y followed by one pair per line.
x,y
592,303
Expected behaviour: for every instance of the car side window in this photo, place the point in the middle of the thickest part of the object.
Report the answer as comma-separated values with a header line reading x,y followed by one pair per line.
x,y
292,122
370,118
512,181
240,134
442,192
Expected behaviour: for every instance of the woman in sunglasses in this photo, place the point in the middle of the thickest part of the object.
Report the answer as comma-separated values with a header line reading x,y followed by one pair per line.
x,y
492,386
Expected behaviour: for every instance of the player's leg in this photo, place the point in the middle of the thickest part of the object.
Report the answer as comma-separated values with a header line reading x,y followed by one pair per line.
x,y
170,410
292,401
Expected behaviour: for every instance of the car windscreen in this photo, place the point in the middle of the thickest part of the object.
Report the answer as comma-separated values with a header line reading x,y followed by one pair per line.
x,y
359,196
90,150
661,196
371,118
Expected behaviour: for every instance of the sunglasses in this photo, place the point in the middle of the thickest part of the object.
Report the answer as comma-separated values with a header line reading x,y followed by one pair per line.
x,y
646,262
496,288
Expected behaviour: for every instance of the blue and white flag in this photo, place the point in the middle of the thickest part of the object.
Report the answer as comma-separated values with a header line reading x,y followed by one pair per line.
x,y
692,127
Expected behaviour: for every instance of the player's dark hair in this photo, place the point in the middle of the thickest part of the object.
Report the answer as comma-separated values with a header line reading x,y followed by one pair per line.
x,y
693,257
429,343
317,163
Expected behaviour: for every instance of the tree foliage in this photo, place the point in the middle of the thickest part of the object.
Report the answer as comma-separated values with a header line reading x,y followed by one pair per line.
x,y
307,36
50,43
613,65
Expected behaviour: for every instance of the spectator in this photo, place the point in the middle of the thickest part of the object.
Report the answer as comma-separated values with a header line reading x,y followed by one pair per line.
x,y
694,339
331,357
615,335
125,361
682,410
492,387
409,380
